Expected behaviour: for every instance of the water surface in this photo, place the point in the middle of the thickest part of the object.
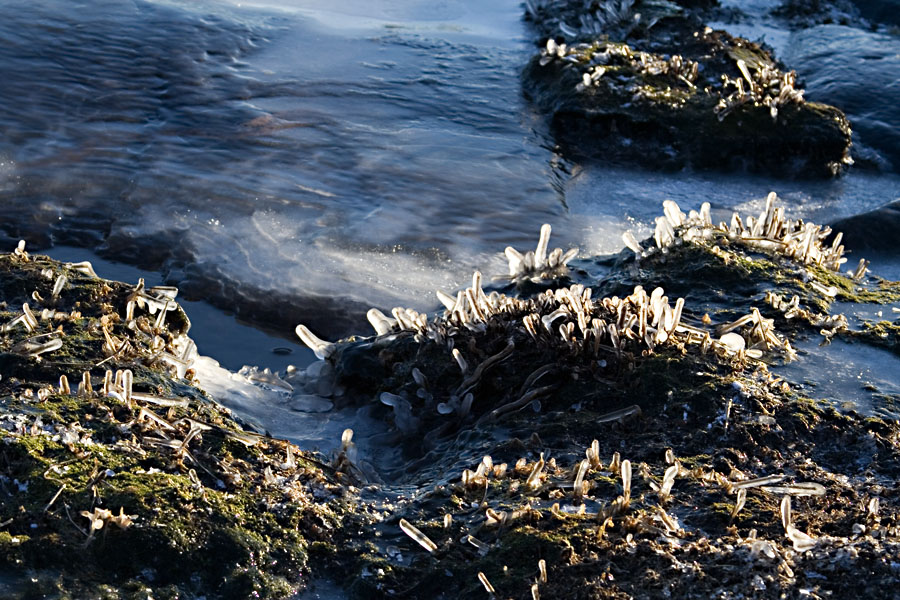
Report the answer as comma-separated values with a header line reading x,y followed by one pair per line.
x,y
327,157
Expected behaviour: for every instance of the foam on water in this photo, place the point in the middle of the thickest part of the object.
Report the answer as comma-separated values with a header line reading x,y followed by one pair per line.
x,y
495,22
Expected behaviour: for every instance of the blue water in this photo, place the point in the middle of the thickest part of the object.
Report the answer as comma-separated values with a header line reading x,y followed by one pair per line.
x,y
242,150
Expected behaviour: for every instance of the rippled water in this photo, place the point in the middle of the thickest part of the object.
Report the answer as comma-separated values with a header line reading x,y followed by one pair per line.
x,y
242,150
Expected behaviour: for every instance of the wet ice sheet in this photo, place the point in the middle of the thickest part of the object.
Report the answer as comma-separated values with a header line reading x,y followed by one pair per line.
x,y
305,408
850,376
847,373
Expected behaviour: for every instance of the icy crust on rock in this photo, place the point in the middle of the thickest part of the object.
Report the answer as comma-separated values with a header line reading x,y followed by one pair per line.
x,y
123,479
648,83
481,336
771,232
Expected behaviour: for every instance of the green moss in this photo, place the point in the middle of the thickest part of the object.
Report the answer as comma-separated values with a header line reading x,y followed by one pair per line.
x,y
882,292
206,520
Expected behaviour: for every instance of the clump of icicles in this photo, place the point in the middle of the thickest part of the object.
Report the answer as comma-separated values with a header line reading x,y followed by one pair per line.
x,y
569,319
771,233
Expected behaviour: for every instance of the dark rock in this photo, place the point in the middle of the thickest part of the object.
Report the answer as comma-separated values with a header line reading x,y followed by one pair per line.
x,y
511,517
882,11
872,231
676,94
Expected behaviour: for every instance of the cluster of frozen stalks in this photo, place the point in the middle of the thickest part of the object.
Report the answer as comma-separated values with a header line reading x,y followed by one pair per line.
x,y
570,319
148,335
595,59
766,86
771,233
759,83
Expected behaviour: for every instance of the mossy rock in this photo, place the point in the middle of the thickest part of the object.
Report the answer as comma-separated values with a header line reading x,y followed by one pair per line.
x,y
674,93
631,115
716,420
111,496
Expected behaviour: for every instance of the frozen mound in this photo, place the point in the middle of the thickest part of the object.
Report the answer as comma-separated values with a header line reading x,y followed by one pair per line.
x,y
555,437
648,83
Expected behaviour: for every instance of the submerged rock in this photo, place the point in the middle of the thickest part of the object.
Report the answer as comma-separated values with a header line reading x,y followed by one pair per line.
x,y
821,54
884,11
657,88
873,231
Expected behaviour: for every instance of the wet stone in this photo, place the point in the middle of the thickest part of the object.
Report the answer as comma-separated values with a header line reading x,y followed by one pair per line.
x,y
665,91
120,478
